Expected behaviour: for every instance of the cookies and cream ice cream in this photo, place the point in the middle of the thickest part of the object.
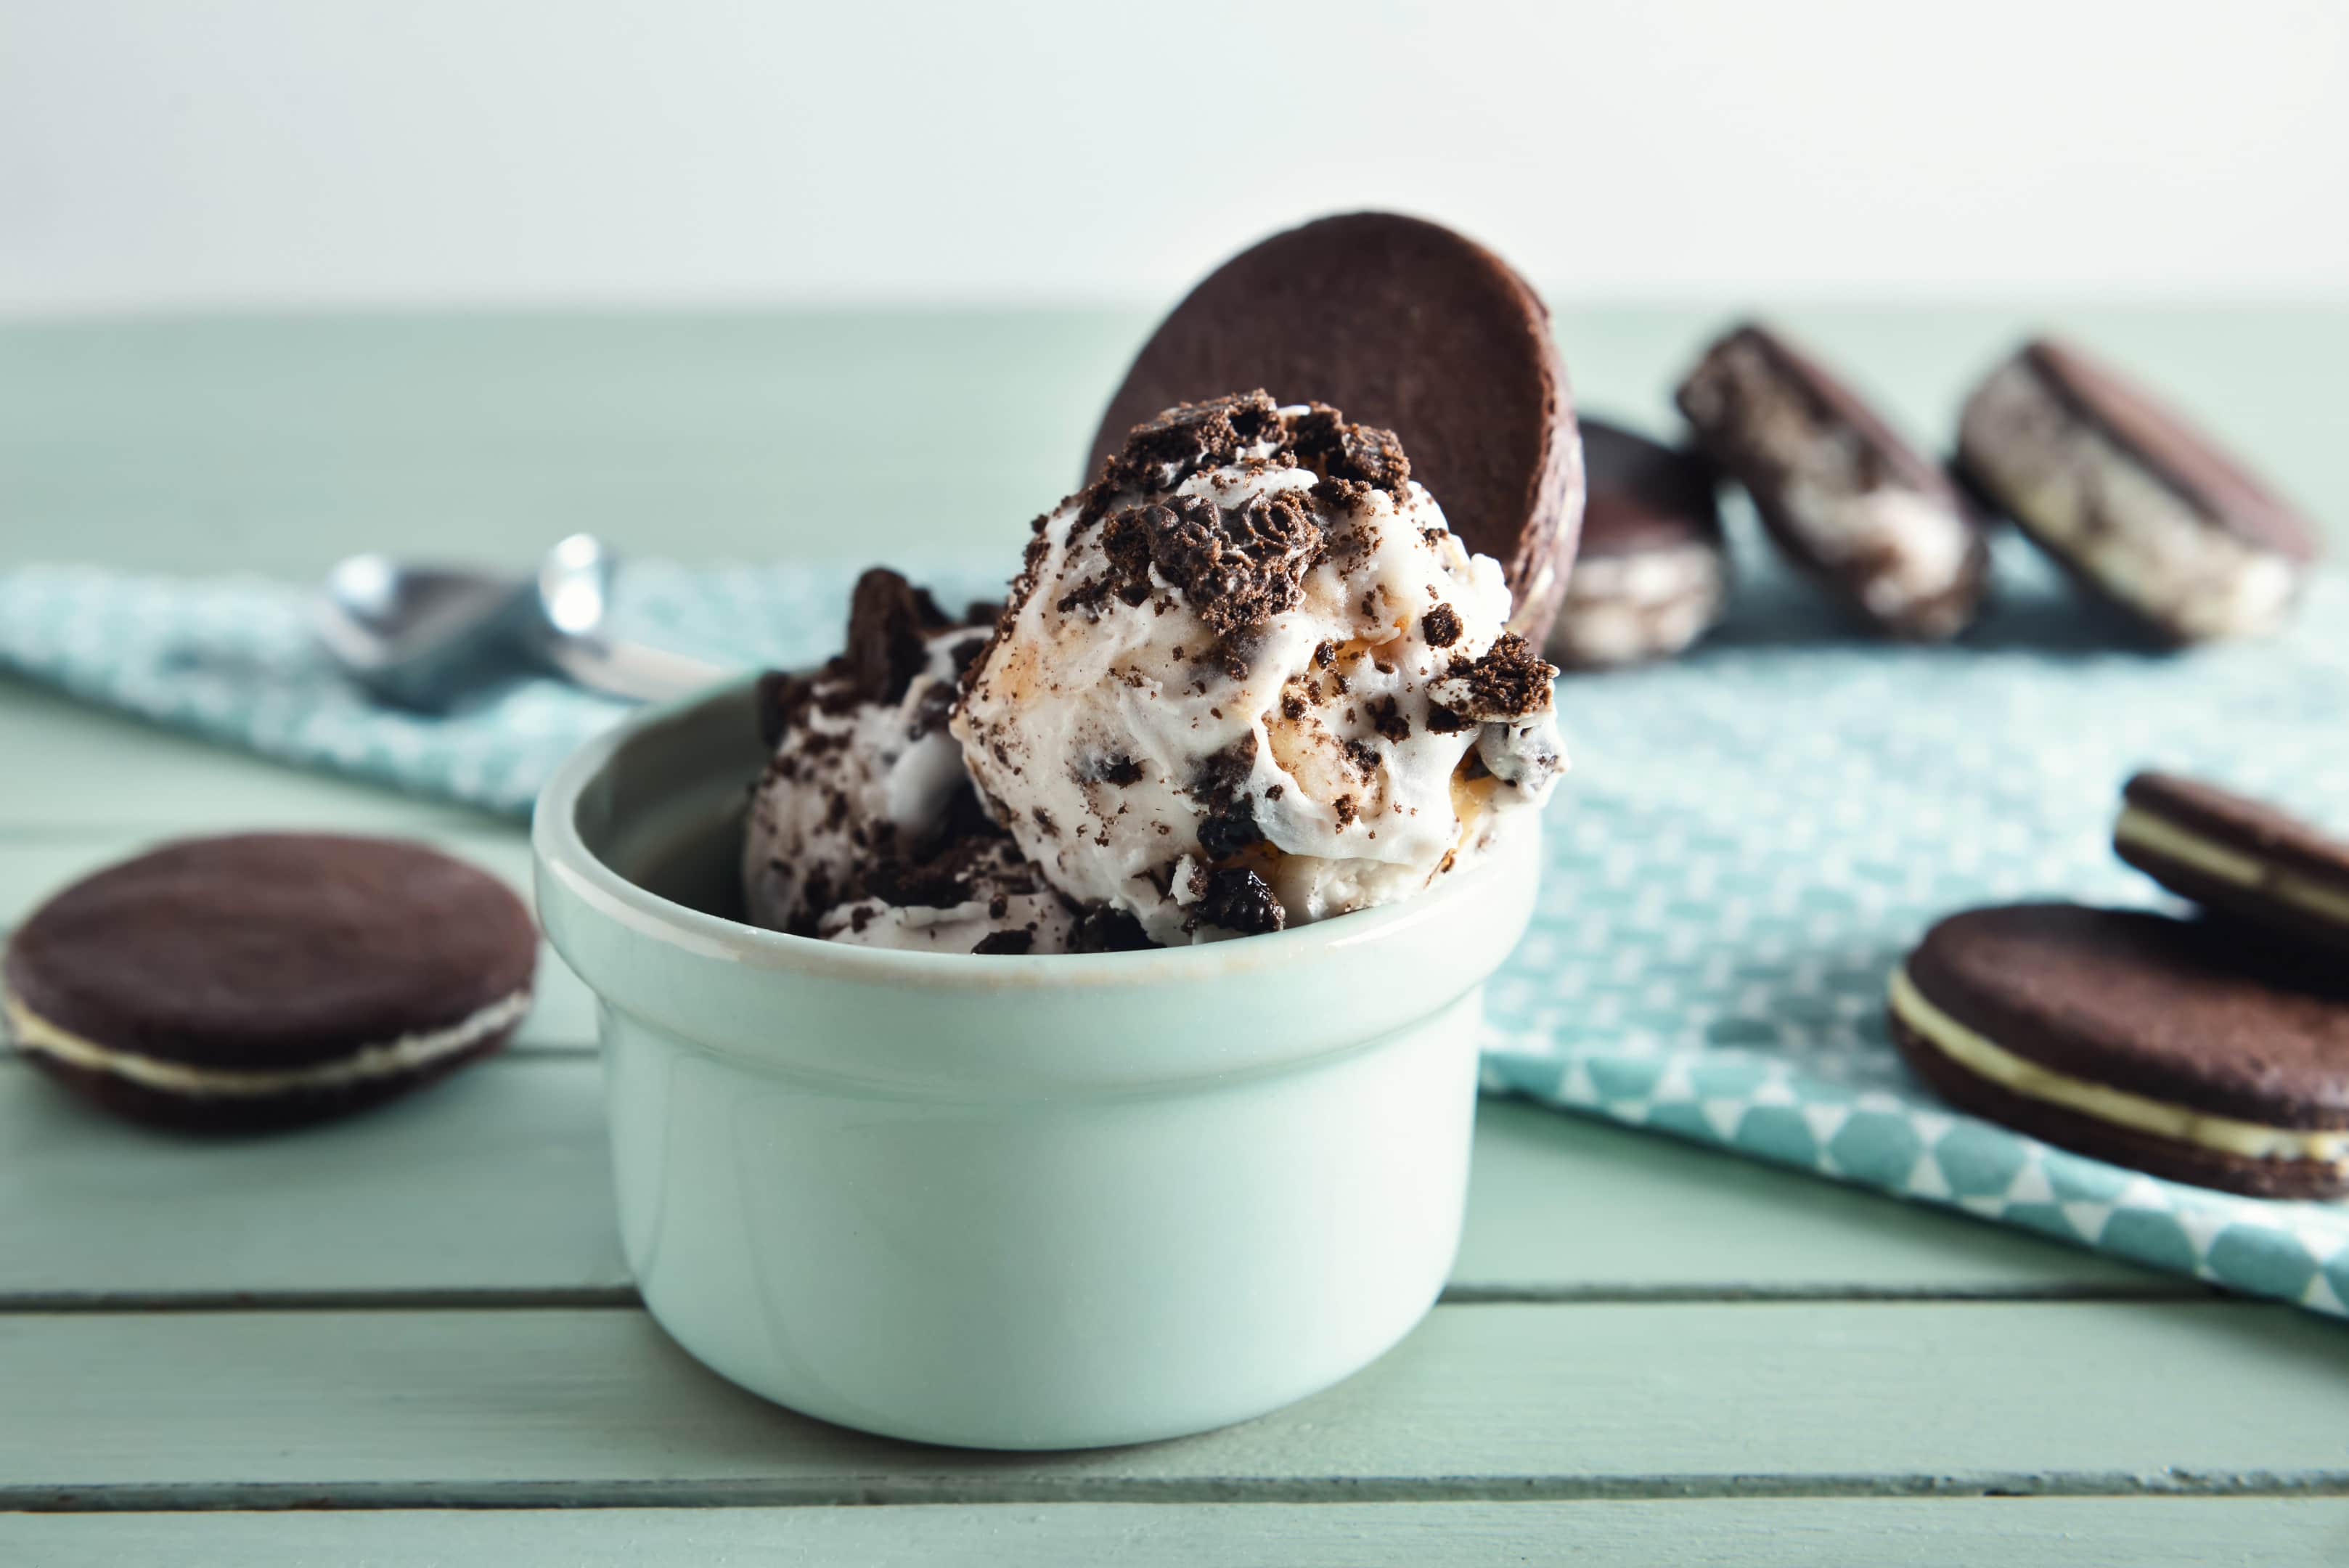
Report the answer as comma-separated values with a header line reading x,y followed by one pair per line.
x,y
864,769
1249,677
863,828
974,895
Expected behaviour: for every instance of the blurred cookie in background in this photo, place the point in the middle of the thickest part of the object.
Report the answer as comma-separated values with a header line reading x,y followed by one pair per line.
x,y
2237,858
2140,506
1653,574
1844,495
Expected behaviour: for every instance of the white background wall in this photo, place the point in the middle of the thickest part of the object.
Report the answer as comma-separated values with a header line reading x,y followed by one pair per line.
x,y
166,154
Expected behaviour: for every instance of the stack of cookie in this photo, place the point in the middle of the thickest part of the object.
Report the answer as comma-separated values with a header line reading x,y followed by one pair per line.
x,y
2213,1050
2140,508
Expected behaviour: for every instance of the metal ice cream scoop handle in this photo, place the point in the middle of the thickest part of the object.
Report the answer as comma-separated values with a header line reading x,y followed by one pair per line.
x,y
423,636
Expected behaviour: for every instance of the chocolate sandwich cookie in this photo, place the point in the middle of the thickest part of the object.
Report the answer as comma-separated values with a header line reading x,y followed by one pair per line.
x,y
1408,327
2135,502
267,979
1842,495
2183,1048
2237,856
1651,574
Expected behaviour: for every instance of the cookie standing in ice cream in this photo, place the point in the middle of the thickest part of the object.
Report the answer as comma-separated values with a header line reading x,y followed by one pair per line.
x,y
1249,678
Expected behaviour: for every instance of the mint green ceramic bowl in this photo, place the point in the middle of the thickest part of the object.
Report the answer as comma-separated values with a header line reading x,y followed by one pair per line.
x,y
1010,1202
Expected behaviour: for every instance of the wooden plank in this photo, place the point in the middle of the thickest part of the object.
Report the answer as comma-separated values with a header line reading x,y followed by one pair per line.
x,y
2084,1532
497,1181
277,444
1562,1205
526,1409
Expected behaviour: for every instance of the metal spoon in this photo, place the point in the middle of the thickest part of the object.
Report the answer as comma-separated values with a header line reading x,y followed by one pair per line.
x,y
423,636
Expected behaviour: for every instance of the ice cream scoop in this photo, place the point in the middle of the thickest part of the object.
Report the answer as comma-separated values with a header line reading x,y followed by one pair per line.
x,y
1249,677
864,828
865,779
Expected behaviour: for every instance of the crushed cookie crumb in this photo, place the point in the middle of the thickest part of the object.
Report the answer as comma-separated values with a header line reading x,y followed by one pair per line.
x,y
1336,449
1507,682
1442,721
1237,567
1238,900
1228,825
1014,941
1106,931
1112,768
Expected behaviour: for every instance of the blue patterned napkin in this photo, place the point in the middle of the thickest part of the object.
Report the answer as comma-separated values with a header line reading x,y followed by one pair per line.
x,y
1752,838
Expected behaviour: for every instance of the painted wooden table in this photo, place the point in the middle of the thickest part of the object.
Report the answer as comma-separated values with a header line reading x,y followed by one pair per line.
x,y
411,1338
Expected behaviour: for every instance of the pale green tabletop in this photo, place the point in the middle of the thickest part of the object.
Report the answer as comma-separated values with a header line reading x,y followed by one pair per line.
x,y
410,1337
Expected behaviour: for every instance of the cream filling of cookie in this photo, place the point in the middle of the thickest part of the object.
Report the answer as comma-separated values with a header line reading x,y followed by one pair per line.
x,y
36,1034
2069,482
1622,607
2180,1124
2159,836
1918,546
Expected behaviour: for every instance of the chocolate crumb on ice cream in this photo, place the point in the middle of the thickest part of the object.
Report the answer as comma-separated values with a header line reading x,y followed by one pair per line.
x,y
1249,677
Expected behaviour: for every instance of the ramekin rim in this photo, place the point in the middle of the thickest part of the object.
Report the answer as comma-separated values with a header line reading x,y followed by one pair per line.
x,y
561,853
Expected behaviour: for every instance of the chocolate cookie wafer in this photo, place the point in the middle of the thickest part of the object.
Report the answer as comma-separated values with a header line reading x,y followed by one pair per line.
x,y
1408,327
2140,506
264,978
2178,1047
1842,494
2237,856
1652,572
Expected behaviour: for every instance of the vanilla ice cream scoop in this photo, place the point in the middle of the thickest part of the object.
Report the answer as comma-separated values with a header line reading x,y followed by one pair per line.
x,y
1249,678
